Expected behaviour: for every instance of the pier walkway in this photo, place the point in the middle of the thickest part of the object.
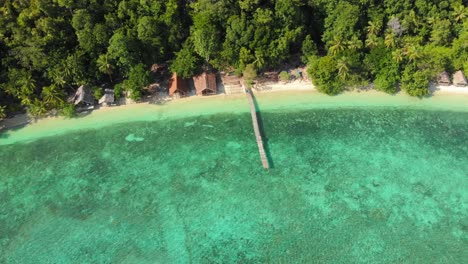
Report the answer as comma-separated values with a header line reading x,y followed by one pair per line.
x,y
256,127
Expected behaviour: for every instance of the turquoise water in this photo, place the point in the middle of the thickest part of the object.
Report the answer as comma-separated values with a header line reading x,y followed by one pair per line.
x,y
368,185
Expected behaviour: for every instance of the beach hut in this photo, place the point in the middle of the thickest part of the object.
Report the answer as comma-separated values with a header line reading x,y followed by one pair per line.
x,y
205,83
459,79
83,95
177,86
443,79
107,98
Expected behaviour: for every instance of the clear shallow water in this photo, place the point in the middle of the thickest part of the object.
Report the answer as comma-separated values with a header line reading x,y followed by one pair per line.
x,y
348,186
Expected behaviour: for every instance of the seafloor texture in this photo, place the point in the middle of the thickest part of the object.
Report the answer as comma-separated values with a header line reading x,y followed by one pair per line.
x,y
348,186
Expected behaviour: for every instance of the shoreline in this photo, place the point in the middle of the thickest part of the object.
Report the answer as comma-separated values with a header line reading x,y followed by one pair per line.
x,y
282,97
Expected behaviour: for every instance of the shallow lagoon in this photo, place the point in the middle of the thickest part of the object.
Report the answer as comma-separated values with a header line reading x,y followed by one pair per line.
x,y
349,185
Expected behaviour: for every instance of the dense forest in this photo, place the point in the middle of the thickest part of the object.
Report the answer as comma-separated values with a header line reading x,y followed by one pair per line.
x,y
50,47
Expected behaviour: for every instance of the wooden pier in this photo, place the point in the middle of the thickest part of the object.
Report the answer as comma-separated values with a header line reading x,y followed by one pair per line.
x,y
258,135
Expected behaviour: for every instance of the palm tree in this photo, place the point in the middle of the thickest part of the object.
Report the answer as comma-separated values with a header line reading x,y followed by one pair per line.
x,y
343,69
51,95
372,41
373,28
105,66
2,112
28,84
397,55
413,52
431,20
390,40
37,108
459,13
259,59
59,78
354,43
337,46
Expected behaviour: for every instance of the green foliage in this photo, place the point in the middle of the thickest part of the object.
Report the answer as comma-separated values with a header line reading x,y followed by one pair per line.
x,y
250,73
123,50
437,59
205,36
414,81
186,63
48,48
105,65
309,48
340,22
37,109
387,79
118,90
384,69
324,74
2,112
68,111
284,76
97,92
52,96
138,78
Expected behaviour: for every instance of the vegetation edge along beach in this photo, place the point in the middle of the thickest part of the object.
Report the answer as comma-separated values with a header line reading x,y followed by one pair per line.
x,y
49,49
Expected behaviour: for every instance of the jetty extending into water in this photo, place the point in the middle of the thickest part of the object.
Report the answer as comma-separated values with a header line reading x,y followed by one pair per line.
x,y
256,126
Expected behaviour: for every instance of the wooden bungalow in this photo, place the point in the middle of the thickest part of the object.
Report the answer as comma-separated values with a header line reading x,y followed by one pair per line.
x,y
443,79
459,79
83,95
177,86
107,98
205,84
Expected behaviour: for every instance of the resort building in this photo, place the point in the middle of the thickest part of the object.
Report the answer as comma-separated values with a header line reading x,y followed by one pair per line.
x,y
108,97
443,79
83,95
205,84
459,79
177,86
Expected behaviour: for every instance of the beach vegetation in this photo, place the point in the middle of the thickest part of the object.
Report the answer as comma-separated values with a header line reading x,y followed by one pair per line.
x,y
2,112
250,73
138,78
284,76
68,110
59,45
118,91
186,63
415,81
324,74
97,93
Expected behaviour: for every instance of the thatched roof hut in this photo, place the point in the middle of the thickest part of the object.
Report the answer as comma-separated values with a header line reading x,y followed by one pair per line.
x,y
205,83
177,85
443,79
83,95
108,97
459,79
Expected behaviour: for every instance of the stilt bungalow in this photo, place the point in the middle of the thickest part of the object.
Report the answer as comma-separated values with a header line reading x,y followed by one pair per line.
x,y
177,86
459,79
205,84
443,79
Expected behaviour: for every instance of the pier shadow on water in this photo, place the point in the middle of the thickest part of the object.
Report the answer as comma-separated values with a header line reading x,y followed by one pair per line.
x,y
262,133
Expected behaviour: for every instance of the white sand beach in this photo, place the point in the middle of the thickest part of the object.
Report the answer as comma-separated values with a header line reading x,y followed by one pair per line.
x,y
282,97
